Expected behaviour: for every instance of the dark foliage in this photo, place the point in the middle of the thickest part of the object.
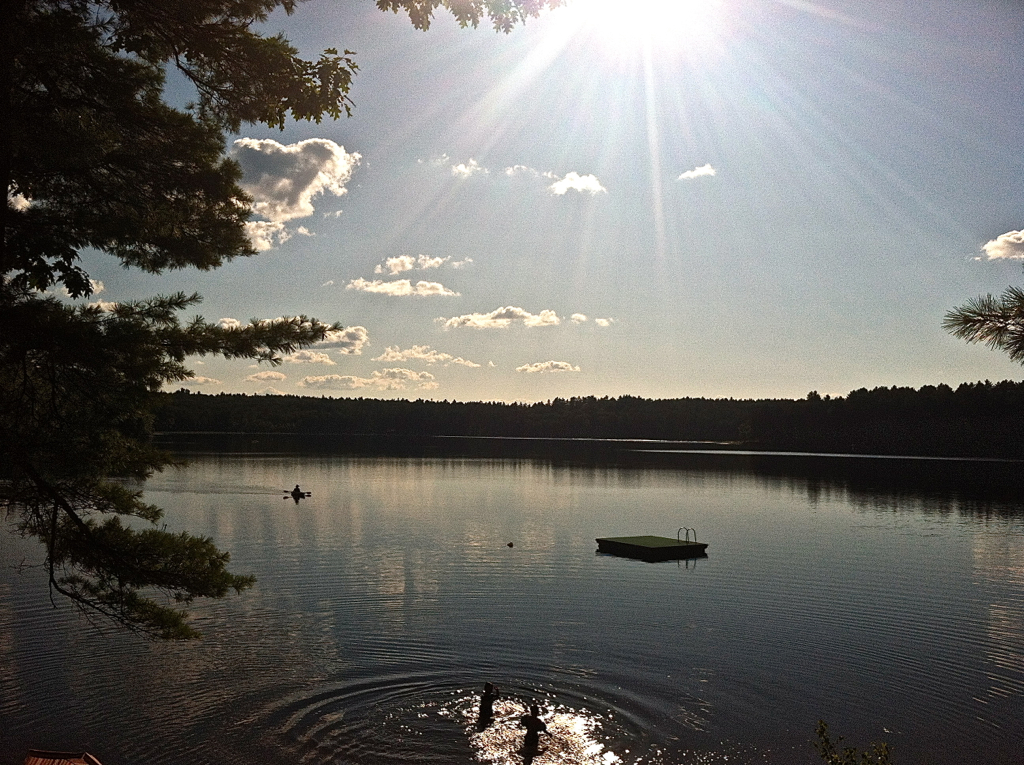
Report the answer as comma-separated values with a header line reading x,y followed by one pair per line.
x,y
977,420
93,159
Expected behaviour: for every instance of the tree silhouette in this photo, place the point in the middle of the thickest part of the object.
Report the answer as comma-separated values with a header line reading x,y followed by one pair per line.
x,y
94,160
996,321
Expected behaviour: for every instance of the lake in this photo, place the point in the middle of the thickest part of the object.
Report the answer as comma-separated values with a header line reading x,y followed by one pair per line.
x,y
879,595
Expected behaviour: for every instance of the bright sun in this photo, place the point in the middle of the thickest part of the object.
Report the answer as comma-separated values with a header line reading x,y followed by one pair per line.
x,y
626,26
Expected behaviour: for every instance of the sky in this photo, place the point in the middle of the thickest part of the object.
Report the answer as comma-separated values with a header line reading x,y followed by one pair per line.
x,y
692,198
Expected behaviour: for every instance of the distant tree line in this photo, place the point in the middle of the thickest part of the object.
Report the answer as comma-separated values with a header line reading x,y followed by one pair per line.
x,y
982,419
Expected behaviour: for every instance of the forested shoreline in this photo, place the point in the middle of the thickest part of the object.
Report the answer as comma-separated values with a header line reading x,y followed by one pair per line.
x,y
982,419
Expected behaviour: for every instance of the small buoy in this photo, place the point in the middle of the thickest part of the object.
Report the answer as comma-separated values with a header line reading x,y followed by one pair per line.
x,y
509,544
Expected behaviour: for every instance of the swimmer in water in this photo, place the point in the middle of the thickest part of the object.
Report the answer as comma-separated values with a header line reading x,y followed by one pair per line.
x,y
534,727
487,700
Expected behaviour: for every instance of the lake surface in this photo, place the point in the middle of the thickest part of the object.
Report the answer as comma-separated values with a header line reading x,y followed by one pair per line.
x,y
893,611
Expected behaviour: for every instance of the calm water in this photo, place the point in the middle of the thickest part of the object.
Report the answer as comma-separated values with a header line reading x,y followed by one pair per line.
x,y
388,598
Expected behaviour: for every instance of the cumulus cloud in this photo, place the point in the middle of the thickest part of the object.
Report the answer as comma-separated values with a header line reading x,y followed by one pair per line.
x,y
604,322
422,353
104,305
266,235
521,170
384,379
502,317
547,366
283,179
578,318
229,323
467,169
19,202
349,341
704,171
271,391
200,380
585,184
309,357
265,376
400,288
1005,246
397,265
95,288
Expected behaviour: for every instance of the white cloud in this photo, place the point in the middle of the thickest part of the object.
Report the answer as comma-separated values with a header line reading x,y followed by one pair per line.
x,y
1005,246
264,376
19,202
95,288
309,357
396,265
266,235
283,179
328,283
703,171
461,263
400,263
229,323
467,169
104,305
575,182
349,341
271,391
572,181
385,379
200,380
604,322
502,317
400,288
578,318
548,366
521,170
282,319
422,353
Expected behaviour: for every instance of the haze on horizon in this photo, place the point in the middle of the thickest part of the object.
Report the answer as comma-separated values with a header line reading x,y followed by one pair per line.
x,y
719,198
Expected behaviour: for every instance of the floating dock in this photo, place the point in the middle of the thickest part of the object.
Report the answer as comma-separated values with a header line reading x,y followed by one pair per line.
x,y
651,548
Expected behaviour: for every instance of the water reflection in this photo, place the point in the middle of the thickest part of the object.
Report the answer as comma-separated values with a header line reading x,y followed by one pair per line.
x,y
573,736
391,591
998,562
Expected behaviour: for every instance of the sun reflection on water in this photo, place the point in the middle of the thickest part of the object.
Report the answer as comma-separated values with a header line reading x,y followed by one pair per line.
x,y
573,735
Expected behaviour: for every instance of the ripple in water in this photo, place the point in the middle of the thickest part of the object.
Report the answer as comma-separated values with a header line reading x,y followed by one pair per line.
x,y
573,735
401,719
424,719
